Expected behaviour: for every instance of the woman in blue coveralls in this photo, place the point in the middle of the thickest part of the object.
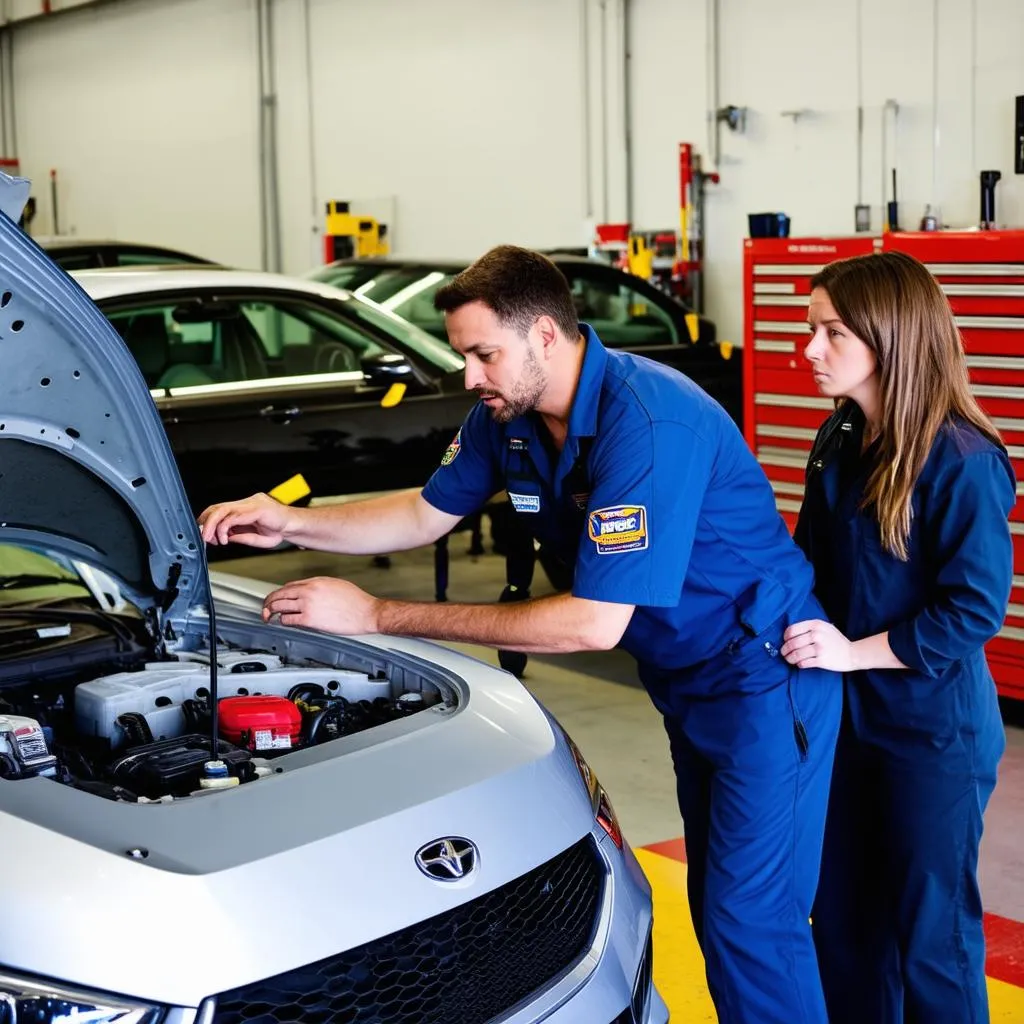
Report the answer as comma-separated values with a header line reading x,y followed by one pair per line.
x,y
908,494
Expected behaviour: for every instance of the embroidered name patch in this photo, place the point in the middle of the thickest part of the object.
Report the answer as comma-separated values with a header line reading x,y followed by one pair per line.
x,y
619,528
518,444
452,450
525,502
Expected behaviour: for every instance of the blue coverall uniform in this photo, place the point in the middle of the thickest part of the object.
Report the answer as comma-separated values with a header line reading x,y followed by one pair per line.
x,y
898,918
658,502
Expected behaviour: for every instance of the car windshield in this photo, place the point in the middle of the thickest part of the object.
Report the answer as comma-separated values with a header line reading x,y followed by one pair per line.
x,y
30,576
27,575
405,332
345,275
407,291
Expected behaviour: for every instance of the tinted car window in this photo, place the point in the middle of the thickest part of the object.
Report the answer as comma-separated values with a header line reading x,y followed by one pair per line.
x,y
182,342
347,275
409,334
410,295
146,258
622,316
75,260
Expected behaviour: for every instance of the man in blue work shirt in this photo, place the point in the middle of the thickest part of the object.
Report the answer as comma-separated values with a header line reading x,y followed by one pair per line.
x,y
629,471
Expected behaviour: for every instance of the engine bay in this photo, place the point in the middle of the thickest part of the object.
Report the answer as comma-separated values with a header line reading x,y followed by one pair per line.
x,y
144,734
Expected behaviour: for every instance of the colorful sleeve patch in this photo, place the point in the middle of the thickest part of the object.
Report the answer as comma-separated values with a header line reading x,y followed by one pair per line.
x,y
618,528
453,449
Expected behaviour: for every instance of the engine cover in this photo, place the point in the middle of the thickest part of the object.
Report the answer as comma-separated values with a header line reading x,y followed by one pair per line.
x,y
159,691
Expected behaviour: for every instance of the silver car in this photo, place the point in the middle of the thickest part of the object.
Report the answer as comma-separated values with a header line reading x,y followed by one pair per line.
x,y
282,826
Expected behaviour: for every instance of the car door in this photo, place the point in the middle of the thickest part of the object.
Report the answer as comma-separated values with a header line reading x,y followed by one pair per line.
x,y
630,314
254,388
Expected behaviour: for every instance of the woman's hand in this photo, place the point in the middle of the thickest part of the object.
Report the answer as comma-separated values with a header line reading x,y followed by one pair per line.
x,y
817,644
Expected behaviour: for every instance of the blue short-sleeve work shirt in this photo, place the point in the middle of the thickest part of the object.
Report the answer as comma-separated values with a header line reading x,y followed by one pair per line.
x,y
655,499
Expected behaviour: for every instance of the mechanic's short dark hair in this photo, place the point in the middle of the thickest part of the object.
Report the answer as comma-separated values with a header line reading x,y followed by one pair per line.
x,y
519,285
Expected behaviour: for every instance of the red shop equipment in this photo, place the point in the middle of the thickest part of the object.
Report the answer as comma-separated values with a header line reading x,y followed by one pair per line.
x,y
982,274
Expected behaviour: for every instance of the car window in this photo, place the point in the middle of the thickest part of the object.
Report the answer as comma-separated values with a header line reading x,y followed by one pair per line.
x,y
408,336
75,260
28,575
346,275
188,342
301,339
147,258
621,315
411,296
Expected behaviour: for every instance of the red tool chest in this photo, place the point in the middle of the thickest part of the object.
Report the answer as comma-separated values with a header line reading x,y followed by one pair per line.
x,y
982,273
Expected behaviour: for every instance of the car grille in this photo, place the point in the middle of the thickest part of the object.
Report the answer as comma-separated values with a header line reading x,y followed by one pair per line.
x,y
466,966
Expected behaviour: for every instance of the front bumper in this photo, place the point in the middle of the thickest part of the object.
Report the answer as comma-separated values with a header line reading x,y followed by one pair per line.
x,y
600,988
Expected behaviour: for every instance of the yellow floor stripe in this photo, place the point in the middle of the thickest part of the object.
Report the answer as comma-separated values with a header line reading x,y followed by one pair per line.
x,y
1006,1002
679,966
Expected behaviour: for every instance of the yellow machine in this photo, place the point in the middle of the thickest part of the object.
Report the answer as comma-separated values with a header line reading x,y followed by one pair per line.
x,y
348,234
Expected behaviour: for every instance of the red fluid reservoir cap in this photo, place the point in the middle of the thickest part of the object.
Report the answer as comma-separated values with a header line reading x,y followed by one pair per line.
x,y
260,723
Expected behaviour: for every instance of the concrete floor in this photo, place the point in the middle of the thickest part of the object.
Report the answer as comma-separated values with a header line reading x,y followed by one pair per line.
x,y
598,700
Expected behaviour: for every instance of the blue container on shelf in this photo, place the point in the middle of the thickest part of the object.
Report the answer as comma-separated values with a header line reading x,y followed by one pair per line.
x,y
768,225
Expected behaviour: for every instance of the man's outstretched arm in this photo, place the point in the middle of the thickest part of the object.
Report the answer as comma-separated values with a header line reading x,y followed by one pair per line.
x,y
548,625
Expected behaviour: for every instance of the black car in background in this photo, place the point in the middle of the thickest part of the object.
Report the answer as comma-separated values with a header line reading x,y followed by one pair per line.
x,y
626,311
260,377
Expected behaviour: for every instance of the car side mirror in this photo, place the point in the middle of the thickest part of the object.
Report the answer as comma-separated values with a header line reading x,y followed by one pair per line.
x,y
386,368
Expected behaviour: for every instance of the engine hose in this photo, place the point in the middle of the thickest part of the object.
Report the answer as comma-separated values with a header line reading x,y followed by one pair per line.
x,y
191,710
314,724
336,710
136,728
306,692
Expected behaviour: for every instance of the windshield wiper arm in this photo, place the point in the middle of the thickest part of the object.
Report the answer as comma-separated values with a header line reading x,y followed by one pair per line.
x,y
68,615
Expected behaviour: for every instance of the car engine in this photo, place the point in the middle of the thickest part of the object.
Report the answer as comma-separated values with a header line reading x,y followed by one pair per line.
x,y
144,735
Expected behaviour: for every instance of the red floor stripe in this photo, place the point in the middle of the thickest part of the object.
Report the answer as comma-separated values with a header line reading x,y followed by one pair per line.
x,y
1004,946
1004,938
673,848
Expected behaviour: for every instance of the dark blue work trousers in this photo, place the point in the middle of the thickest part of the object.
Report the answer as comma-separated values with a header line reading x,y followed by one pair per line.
x,y
898,918
753,771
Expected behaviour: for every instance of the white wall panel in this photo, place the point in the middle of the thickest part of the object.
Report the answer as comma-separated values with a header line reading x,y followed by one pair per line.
x,y
668,69
149,113
467,113
789,55
470,121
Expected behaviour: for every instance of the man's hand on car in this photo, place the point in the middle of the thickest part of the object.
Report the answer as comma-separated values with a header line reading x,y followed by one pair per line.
x,y
258,521
324,603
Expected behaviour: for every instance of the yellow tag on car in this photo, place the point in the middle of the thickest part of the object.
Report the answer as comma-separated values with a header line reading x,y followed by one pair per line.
x,y
394,395
291,490
693,326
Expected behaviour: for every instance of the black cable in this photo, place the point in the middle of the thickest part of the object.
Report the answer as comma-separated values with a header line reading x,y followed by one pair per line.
x,y
214,725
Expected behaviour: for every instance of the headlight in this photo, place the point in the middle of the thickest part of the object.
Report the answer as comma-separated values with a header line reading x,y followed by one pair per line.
x,y
38,1002
602,806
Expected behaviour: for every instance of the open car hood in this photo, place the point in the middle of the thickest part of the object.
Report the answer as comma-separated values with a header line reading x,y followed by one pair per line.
x,y
85,464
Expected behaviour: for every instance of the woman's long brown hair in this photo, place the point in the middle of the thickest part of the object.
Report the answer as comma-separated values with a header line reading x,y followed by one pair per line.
x,y
893,304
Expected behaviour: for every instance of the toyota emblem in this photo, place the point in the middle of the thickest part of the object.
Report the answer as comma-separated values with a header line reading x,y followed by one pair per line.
x,y
448,860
